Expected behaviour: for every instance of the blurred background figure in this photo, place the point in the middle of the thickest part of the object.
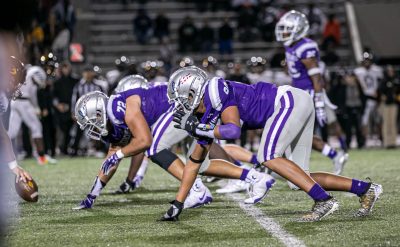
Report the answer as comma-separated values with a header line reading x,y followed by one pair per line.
x,y
62,95
142,26
206,37
86,85
225,38
187,35
161,27
389,92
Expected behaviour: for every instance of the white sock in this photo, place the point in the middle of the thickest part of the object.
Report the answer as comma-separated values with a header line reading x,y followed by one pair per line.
x,y
97,187
326,150
143,168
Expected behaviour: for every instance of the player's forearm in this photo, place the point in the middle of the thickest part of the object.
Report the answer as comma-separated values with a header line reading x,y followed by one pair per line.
x,y
227,131
136,146
317,82
189,176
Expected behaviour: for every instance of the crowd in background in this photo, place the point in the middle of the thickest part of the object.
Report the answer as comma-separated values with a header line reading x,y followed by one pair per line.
x,y
53,29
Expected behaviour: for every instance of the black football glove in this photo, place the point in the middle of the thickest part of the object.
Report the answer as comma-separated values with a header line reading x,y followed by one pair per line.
x,y
173,212
186,121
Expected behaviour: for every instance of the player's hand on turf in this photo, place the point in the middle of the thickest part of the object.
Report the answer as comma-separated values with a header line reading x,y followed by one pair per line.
x,y
109,163
320,109
173,212
21,174
186,121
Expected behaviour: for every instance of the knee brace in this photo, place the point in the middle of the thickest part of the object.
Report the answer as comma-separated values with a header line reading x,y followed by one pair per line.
x,y
164,158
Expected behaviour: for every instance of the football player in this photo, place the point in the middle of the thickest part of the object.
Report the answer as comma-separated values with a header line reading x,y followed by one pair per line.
x,y
302,61
16,78
140,120
24,110
287,116
369,75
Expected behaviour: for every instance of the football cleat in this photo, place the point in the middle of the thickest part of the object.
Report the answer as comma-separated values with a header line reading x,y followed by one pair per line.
x,y
368,200
173,212
199,195
233,186
42,160
50,160
321,209
259,189
339,161
87,203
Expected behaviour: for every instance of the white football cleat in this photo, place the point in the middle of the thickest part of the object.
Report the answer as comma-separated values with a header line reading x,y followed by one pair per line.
x,y
51,160
339,161
199,195
233,186
259,189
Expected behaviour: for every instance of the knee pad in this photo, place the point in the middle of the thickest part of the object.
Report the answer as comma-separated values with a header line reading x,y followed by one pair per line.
x,y
164,158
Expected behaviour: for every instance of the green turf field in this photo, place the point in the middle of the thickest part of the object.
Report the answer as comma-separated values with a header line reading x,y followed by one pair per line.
x,y
130,220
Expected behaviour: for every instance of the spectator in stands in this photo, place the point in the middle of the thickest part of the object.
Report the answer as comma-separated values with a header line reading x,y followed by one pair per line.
x,y
161,27
238,74
62,95
245,24
86,85
187,33
268,17
389,91
206,37
225,37
65,13
331,34
317,20
142,26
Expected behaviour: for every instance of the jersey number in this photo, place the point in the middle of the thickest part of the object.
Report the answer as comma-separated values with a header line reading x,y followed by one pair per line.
x,y
292,69
121,106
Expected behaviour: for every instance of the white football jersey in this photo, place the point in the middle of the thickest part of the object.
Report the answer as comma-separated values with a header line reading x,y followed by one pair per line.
x,y
29,91
369,79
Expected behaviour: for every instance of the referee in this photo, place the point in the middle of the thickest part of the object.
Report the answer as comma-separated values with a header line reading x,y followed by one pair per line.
x,y
86,85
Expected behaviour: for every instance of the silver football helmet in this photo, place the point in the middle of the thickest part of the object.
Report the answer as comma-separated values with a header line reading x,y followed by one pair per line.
x,y
291,27
131,82
91,114
186,87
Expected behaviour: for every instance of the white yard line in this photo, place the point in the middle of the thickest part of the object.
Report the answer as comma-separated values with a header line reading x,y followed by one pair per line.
x,y
269,224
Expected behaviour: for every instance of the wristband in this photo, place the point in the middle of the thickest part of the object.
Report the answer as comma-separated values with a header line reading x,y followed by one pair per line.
x,y
12,164
196,161
119,154
313,71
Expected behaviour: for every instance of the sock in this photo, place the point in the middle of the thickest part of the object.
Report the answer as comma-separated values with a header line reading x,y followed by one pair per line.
x,y
238,163
245,172
359,187
329,152
318,194
343,144
97,187
254,160
250,176
143,168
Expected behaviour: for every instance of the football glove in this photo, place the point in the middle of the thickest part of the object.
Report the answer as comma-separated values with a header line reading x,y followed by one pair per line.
x,y
320,109
191,124
110,162
173,212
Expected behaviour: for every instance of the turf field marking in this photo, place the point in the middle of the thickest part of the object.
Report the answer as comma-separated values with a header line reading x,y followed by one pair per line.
x,y
269,224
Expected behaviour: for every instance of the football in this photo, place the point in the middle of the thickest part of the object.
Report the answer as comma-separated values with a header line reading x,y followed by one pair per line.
x,y
27,190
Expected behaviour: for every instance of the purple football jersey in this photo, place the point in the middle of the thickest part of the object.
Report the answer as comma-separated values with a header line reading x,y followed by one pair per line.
x,y
255,102
154,102
304,48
